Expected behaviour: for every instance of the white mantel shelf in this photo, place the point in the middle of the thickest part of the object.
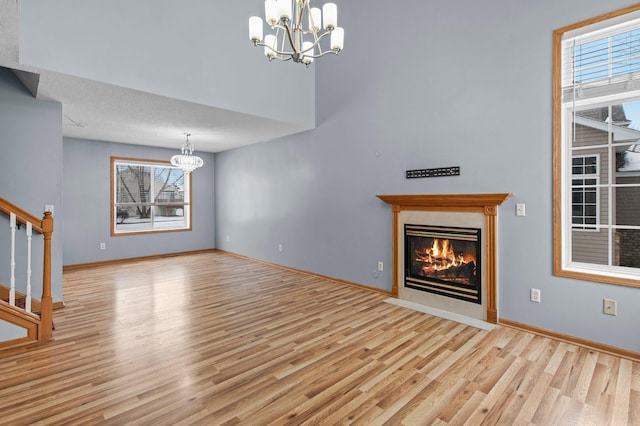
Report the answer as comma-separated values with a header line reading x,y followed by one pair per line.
x,y
484,203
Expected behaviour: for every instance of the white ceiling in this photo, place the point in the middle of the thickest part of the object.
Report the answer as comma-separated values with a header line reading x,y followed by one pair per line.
x,y
146,109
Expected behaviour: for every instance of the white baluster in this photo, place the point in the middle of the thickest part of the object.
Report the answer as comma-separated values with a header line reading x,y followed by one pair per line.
x,y
27,305
12,292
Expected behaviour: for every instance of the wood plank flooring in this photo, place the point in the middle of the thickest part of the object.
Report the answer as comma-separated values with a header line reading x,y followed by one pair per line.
x,y
215,339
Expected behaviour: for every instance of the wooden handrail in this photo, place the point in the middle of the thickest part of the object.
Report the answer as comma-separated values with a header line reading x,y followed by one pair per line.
x,y
21,216
44,227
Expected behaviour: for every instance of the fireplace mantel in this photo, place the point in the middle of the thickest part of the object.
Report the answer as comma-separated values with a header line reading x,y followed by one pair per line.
x,y
476,203
445,200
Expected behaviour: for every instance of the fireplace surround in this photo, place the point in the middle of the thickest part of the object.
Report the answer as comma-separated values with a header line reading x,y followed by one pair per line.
x,y
450,211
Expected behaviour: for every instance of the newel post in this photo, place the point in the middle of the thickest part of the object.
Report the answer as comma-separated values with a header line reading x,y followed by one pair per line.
x,y
46,313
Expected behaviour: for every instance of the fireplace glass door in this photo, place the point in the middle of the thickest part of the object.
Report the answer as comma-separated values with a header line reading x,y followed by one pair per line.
x,y
443,260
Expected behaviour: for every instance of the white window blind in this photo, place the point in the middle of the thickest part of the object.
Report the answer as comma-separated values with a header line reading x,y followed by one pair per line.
x,y
599,62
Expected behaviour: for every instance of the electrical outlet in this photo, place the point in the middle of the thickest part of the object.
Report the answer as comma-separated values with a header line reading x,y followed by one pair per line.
x,y
536,295
280,247
380,266
227,238
609,307
103,246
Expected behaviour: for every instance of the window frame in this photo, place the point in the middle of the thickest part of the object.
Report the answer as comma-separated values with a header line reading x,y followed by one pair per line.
x,y
187,203
584,227
563,266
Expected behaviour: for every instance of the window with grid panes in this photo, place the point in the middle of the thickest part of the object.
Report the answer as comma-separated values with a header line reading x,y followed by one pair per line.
x,y
149,196
596,139
584,192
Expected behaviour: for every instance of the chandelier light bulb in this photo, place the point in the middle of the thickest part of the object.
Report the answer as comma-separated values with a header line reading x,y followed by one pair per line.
x,y
271,12
270,46
284,9
307,52
337,39
255,29
315,19
330,12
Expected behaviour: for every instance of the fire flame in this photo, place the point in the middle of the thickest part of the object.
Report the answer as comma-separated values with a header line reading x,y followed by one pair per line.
x,y
440,256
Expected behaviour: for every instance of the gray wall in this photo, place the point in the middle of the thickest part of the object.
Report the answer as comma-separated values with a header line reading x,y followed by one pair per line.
x,y
151,45
87,205
31,174
459,83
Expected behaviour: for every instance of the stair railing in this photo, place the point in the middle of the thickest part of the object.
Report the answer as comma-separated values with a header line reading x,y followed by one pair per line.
x,y
18,217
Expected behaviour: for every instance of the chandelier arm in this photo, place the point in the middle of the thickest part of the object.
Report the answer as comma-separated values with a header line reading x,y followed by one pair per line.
x,y
280,53
276,51
277,26
300,7
326,52
289,36
281,58
317,43
302,30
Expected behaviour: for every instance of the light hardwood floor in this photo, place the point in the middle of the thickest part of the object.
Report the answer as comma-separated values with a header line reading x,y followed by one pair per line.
x,y
217,339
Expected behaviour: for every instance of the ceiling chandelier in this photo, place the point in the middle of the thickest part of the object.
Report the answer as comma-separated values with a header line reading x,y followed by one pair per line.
x,y
187,161
291,40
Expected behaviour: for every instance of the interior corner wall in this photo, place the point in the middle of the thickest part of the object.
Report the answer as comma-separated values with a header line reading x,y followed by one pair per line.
x,y
87,199
461,83
31,172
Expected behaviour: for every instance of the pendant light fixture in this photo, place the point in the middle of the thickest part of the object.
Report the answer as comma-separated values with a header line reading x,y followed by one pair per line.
x,y
187,161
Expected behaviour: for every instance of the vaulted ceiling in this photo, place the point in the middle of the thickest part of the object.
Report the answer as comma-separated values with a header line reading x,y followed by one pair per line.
x,y
147,72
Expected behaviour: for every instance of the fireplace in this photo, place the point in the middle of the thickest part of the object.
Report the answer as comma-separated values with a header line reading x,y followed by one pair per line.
x,y
467,216
443,260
